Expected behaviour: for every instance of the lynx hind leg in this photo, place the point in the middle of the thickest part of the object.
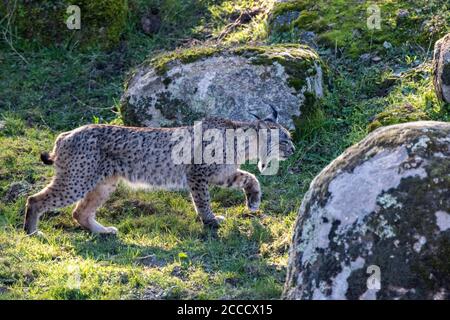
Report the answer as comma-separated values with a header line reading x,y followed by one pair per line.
x,y
248,182
56,195
198,188
85,210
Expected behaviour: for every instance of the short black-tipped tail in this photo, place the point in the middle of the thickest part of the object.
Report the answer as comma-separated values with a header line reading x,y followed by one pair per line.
x,y
46,158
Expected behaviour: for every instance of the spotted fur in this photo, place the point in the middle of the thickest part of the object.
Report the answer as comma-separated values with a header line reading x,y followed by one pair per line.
x,y
91,160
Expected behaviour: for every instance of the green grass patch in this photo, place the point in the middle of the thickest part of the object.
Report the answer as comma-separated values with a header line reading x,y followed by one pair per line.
x,y
344,24
162,250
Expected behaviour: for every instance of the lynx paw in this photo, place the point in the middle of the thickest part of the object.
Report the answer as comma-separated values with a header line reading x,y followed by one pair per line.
x,y
107,231
214,223
111,230
37,233
253,207
253,202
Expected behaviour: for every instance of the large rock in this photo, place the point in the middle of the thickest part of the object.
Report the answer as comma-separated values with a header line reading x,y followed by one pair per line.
x,y
384,203
441,65
180,87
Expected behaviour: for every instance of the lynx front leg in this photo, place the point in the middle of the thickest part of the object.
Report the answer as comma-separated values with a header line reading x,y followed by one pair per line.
x,y
247,181
201,199
85,210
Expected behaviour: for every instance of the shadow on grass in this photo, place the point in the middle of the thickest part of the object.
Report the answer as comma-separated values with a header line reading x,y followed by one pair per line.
x,y
231,254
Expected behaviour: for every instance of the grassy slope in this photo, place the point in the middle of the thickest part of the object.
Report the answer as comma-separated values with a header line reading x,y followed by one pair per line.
x,y
60,89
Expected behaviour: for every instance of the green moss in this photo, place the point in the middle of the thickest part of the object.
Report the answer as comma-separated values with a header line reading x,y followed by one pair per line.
x,y
311,19
343,24
44,22
435,26
374,125
401,114
311,117
410,97
106,15
298,63
278,19
161,62
296,83
284,7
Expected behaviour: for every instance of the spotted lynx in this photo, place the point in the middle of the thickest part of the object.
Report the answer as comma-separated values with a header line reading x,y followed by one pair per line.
x,y
91,160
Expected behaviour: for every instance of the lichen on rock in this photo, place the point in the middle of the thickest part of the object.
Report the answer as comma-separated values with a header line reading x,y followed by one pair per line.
x,y
382,203
231,82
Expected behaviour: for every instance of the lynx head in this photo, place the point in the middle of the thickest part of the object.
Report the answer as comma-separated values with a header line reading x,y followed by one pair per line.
x,y
280,146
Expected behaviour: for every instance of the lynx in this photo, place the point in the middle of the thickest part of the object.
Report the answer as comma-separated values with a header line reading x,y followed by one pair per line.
x,y
90,161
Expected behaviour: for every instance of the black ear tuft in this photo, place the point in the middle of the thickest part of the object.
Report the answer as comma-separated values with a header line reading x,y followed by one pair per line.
x,y
274,117
255,116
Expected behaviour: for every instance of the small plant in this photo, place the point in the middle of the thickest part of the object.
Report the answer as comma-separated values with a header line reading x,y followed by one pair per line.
x,y
11,125
95,120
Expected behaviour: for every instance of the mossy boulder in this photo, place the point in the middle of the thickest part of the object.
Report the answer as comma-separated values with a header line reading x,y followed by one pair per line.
x,y
343,24
180,87
398,114
441,66
44,21
375,223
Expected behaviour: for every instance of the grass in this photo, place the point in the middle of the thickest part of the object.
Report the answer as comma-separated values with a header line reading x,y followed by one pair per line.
x,y
162,251
343,24
192,263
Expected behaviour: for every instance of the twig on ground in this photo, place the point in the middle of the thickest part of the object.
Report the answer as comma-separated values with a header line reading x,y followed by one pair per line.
x,y
245,17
